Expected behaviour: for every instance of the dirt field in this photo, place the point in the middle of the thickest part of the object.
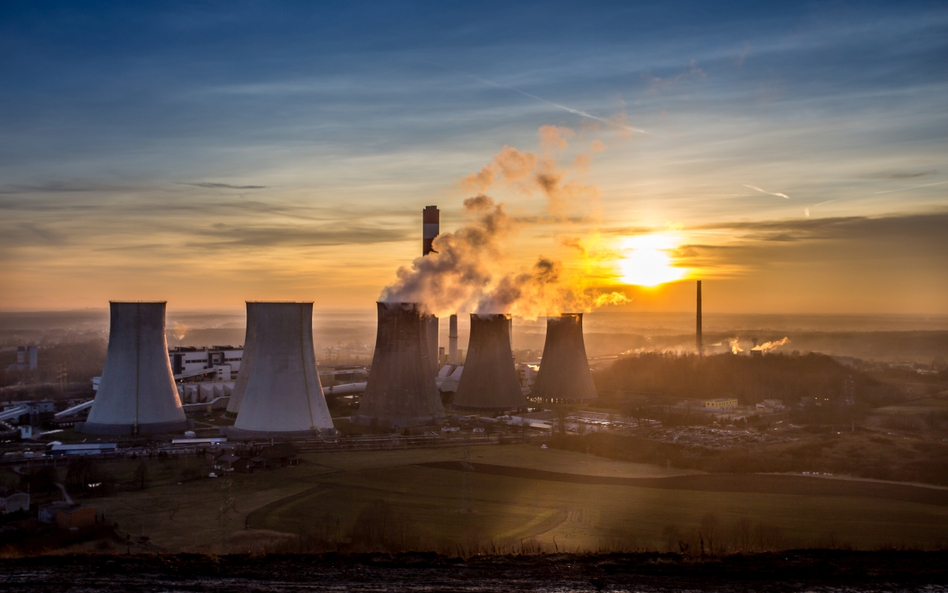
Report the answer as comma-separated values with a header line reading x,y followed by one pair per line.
x,y
530,500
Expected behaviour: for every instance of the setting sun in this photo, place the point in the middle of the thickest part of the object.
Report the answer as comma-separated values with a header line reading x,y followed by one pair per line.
x,y
647,261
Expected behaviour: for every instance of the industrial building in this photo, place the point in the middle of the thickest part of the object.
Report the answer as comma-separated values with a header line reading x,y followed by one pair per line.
x,y
137,393
401,389
27,359
489,382
564,376
278,390
221,361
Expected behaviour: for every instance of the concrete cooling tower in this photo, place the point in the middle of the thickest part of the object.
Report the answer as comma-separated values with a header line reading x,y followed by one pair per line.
x,y
277,389
489,381
401,389
137,394
564,375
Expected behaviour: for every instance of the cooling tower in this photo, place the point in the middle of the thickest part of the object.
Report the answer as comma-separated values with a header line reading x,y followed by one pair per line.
x,y
250,338
278,387
489,381
401,389
432,327
564,375
137,393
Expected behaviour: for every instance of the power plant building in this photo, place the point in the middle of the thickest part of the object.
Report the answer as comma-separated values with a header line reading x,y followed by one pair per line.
x,y
278,391
564,375
489,381
137,393
401,389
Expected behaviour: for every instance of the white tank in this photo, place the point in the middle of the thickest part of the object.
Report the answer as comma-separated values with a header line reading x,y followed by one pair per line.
x,y
278,390
137,393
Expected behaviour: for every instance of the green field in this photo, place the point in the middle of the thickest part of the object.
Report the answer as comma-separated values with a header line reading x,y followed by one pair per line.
x,y
384,500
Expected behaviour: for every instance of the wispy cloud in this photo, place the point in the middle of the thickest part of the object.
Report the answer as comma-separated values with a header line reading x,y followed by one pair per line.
x,y
210,185
763,191
910,175
610,122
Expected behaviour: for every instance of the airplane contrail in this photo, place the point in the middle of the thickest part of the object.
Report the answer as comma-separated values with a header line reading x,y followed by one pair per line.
x,y
892,191
572,110
763,191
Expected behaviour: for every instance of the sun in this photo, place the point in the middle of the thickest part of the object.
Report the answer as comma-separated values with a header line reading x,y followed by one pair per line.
x,y
647,261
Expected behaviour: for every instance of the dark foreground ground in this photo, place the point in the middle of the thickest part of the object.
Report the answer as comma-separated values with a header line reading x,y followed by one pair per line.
x,y
819,570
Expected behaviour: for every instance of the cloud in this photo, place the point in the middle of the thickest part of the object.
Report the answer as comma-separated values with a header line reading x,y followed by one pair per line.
x,y
210,185
55,187
910,175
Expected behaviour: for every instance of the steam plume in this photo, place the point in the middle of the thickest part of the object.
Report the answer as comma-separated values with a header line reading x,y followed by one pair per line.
x,y
735,346
769,346
469,269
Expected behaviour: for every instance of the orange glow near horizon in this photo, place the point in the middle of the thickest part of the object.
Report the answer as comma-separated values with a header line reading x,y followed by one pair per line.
x,y
647,260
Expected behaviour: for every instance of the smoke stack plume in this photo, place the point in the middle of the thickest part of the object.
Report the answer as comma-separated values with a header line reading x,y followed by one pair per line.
x,y
699,339
489,381
564,375
401,389
278,390
137,394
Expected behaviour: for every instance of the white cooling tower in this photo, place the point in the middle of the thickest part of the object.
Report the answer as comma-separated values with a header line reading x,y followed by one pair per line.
x,y
137,394
278,387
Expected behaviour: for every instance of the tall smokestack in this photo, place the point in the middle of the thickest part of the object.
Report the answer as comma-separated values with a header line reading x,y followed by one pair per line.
x,y
489,381
278,390
699,339
564,375
430,228
137,394
453,339
401,389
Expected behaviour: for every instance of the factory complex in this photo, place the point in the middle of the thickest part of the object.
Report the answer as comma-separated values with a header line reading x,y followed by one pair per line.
x,y
270,387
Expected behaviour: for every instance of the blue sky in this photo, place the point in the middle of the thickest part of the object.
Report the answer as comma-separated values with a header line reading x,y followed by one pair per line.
x,y
285,150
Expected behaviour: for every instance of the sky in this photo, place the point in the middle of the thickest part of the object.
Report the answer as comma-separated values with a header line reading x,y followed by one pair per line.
x,y
793,157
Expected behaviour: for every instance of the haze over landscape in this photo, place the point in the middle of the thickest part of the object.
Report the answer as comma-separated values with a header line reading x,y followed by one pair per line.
x,y
681,324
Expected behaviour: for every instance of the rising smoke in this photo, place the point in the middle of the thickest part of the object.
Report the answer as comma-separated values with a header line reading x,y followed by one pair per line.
x,y
471,269
770,346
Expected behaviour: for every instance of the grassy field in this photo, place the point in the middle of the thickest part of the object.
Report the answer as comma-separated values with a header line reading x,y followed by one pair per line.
x,y
385,500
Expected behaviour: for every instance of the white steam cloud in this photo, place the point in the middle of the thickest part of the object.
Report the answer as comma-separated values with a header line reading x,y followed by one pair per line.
x,y
469,269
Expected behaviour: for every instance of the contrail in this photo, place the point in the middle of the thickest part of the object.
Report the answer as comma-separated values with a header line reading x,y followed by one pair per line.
x,y
763,191
578,112
892,191
807,209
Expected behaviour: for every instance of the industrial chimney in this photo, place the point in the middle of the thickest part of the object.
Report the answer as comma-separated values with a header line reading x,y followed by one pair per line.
x,y
401,389
430,228
137,394
278,390
699,339
564,375
453,339
489,381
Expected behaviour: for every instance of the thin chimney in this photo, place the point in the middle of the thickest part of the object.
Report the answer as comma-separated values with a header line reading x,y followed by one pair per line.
x,y
699,340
